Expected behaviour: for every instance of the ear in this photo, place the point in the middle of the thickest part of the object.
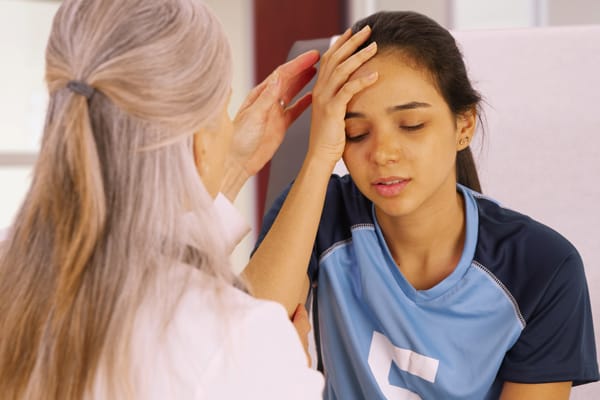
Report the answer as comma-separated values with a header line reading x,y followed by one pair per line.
x,y
465,128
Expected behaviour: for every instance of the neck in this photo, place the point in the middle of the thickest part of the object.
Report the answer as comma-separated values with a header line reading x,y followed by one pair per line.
x,y
427,244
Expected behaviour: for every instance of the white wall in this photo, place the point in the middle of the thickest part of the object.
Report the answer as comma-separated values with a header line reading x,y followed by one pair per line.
x,y
435,9
478,14
24,28
237,19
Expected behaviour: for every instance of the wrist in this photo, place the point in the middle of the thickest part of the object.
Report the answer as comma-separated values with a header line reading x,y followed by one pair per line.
x,y
321,160
234,179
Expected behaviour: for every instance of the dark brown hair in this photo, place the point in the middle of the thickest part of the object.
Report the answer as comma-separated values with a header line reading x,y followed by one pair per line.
x,y
432,47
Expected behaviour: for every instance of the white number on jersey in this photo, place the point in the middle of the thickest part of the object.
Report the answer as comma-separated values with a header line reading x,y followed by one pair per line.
x,y
381,355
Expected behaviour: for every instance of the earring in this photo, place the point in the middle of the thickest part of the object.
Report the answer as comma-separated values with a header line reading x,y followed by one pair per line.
x,y
463,141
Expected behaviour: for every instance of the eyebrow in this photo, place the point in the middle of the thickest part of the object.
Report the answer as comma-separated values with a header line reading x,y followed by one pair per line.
x,y
401,107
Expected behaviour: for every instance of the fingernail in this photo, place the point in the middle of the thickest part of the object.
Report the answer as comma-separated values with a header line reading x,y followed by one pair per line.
x,y
372,46
372,76
366,28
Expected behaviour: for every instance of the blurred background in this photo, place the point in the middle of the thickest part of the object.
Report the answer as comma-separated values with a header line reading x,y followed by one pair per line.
x,y
261,33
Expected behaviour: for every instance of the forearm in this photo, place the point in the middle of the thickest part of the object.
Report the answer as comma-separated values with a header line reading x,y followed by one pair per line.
x,y
277,270
541,391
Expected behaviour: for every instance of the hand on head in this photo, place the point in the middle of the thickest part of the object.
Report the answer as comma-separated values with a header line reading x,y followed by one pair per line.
x,y
334,89
262,121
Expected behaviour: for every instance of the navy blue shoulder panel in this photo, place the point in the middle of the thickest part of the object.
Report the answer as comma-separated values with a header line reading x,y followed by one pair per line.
x,y
522,253
544,274
344,207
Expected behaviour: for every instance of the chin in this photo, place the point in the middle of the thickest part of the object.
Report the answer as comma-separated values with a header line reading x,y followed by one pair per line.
x,y
394,207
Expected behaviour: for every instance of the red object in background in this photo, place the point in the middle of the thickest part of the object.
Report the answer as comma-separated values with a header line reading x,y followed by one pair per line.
x,y
277,25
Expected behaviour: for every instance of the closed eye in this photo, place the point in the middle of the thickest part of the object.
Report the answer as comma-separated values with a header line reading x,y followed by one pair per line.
x,y
356,138
412,128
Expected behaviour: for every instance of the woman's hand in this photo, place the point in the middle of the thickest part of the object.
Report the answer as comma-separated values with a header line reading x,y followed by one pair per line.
x,y
261,122
302,325
333,91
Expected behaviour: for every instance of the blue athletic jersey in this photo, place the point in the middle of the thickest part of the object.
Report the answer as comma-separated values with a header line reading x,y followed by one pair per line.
x,y
516,308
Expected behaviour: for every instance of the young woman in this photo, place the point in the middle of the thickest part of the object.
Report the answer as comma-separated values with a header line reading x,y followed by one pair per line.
x,y
114,280
424,288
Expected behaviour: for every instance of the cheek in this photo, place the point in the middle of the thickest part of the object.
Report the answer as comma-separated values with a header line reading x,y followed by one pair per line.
x,y
352,158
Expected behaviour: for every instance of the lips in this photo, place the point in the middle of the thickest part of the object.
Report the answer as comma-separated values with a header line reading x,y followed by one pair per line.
x,y
390,186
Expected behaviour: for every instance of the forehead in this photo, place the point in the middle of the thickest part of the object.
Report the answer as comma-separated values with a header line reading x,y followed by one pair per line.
x,y
400,81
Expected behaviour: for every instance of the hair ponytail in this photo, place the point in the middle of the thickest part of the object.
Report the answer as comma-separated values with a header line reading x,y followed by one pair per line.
x,y
466,171
70,213
79,185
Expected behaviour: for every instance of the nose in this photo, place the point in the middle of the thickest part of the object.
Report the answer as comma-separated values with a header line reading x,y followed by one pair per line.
x,y
386,148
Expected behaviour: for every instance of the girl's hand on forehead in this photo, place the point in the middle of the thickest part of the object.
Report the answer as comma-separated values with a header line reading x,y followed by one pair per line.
x,y
334,89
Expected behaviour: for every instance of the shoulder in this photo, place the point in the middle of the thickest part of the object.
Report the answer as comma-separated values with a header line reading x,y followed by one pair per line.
x,y
525,239
527,256
345,206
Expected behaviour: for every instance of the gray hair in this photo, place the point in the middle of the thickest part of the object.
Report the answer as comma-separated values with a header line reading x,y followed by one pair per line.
x,y
114,177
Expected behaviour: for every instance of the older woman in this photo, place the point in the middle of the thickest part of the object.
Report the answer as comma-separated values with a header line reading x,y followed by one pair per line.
x,y
114,280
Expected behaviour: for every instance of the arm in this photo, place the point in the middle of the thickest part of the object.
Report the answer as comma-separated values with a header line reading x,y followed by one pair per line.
x,y
538,391
277,270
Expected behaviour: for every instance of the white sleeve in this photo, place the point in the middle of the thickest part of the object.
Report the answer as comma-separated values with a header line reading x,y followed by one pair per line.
x,y
268,361
234,225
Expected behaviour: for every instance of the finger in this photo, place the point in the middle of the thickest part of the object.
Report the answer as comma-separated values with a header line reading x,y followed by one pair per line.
x,y
295,110
254,93
354,86
295,85
331,62
299,64
300,313
350,46
268,96
339,42
294,69
300,320
348,67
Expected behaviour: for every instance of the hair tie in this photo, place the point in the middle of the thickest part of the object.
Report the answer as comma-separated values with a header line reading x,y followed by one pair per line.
x,y
81,88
